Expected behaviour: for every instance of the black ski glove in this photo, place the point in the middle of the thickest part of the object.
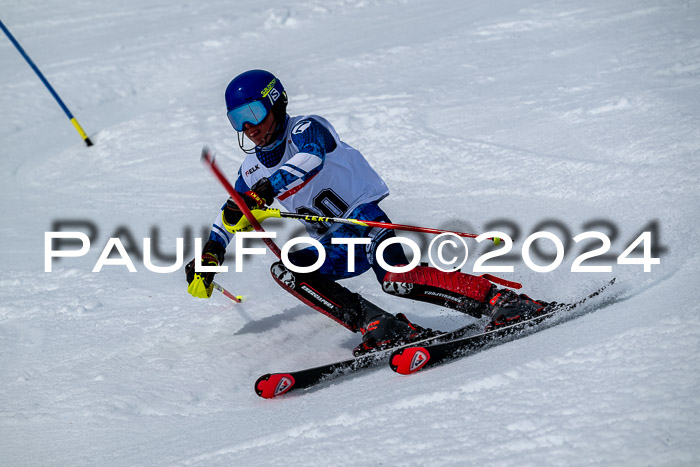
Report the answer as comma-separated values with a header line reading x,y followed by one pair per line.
x,y
258,197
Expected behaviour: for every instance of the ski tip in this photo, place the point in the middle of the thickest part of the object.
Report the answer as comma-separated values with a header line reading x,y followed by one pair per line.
x,y
273,385
408,361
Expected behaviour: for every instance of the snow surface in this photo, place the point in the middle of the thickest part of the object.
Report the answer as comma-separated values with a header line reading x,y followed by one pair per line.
x,y
476,113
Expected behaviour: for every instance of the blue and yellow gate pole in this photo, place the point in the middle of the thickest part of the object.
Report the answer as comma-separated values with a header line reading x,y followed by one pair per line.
x,y
47,84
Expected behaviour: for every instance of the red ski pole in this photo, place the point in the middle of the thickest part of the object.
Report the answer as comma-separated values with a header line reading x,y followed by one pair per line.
x,y
209,160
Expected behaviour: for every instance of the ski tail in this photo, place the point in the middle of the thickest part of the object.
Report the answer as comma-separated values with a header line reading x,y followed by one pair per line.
x,y
410,360
269,385
272,385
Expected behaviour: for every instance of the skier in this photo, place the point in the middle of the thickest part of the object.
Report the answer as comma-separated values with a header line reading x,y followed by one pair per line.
x,y
301,162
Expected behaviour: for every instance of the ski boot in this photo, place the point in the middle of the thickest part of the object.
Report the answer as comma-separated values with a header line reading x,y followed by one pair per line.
x,y
506,307
385,331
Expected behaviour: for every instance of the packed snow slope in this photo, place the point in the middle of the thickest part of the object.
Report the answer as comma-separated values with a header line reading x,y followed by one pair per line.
x,y
554,115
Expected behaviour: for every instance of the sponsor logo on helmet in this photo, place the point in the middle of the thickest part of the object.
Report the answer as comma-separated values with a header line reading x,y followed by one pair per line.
x,y
274,95
269,87
270,92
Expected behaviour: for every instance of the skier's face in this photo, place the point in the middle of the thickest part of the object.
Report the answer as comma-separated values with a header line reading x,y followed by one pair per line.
x,y
260,134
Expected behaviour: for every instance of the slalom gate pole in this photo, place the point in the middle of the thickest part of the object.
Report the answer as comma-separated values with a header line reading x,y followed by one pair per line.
x,y
208,159
47,84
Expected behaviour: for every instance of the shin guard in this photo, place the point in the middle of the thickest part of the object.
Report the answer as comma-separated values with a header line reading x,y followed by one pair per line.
x,y
326,296
455,290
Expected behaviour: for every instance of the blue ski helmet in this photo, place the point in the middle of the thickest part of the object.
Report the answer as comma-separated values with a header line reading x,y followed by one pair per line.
x,y
251,96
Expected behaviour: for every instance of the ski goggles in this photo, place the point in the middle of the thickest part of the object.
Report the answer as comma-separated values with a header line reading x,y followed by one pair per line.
x,y
252,112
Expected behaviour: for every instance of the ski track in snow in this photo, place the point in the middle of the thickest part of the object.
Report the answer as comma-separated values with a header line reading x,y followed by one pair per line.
x,y
552,113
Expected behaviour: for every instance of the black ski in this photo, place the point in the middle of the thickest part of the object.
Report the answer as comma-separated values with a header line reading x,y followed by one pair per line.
x,y
275,384
412,358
